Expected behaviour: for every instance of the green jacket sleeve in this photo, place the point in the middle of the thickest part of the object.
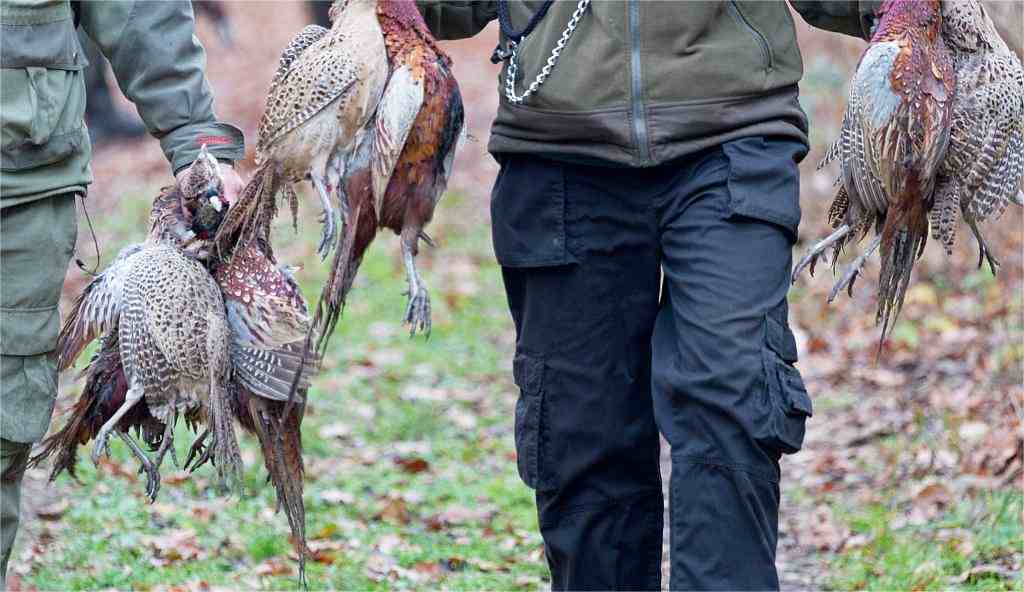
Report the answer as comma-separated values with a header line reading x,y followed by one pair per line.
x,y
851,17
457,19
159,65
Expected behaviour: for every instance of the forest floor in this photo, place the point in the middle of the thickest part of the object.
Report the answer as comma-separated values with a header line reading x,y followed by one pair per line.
x,y
910,477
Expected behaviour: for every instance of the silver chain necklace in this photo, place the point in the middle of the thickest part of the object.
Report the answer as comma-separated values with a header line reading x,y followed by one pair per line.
x,y
513,67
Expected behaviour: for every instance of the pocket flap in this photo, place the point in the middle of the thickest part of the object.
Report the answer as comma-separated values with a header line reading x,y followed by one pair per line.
x,y
528,214
764,181
52,45
796,392
781,340
528,373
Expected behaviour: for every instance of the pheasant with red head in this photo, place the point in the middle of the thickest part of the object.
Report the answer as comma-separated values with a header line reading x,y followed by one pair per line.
x,y
392,121
892,144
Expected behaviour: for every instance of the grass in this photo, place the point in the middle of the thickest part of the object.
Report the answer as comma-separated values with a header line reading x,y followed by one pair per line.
x,y
938,555
411,479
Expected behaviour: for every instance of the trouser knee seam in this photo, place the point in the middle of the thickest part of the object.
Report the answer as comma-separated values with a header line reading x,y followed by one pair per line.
x,y
564,512
719,463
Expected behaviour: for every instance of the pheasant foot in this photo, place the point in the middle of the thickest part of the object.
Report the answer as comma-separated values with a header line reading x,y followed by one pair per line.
x,y
198,451
152,473
417,313
985,253
812,256
853,270
167,442
102,445
327,218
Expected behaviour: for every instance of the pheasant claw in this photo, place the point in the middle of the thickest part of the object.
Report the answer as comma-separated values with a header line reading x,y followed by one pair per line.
x,y
812,256
853,270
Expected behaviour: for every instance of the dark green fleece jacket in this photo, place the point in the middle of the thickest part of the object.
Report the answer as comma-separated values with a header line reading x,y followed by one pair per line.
x,y
642,82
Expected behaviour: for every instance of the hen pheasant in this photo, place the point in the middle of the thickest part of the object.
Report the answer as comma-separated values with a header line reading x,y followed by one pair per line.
x,y
893,140
371,111
164,341
984,166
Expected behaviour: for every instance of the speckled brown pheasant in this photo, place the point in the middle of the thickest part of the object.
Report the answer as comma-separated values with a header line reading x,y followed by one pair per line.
x,y
984,166
164,349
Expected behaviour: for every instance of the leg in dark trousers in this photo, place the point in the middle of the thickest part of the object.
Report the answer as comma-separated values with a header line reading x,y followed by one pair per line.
x,y
581,250
577,246
726,395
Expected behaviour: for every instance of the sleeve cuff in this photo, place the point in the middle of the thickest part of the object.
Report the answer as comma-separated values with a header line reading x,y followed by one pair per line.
x,y
224,141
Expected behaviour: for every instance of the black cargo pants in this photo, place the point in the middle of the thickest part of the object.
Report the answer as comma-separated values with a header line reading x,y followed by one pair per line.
x,y
606,357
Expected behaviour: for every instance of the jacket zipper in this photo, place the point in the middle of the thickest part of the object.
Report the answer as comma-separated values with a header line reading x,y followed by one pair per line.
x,y
639,115
766,49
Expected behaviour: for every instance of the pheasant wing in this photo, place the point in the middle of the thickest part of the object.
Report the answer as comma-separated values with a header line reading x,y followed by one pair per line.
x,y
870,126
268,321
398,108
996,169
330,69
303,41
96,310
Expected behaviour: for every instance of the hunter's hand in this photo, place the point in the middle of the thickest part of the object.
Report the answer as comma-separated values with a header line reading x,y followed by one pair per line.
x,y
232,183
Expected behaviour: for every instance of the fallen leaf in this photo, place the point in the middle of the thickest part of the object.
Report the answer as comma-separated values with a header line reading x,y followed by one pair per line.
x,y
412,464
275,566
394,511
431,569
53,511
175,478
379,566
973,431
174,546
337,496
336,430
457,514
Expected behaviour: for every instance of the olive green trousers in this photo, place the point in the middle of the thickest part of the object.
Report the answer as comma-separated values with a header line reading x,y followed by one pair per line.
x,y
37,239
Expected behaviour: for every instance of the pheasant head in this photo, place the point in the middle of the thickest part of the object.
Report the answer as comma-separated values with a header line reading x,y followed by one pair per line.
x,y
201,190
189,212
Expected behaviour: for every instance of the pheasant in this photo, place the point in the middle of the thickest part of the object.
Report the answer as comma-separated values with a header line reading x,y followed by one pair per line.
x,y
268,322
984,165
893,140
164,342
391,120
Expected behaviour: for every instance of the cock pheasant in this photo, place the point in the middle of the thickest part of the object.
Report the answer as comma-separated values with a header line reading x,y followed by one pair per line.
x,y
371,111
268,322
893,141
984,165
164,340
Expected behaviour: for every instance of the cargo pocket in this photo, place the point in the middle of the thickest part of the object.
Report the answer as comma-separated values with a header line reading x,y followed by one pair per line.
x,y
528,214
27,395
44,94
764,181
787,402
528,372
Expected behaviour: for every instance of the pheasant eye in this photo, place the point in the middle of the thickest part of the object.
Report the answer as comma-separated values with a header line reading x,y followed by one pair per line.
x,y
211,192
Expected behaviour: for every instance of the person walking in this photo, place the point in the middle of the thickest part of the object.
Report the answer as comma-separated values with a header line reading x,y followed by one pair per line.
x,y
44,158
643,216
